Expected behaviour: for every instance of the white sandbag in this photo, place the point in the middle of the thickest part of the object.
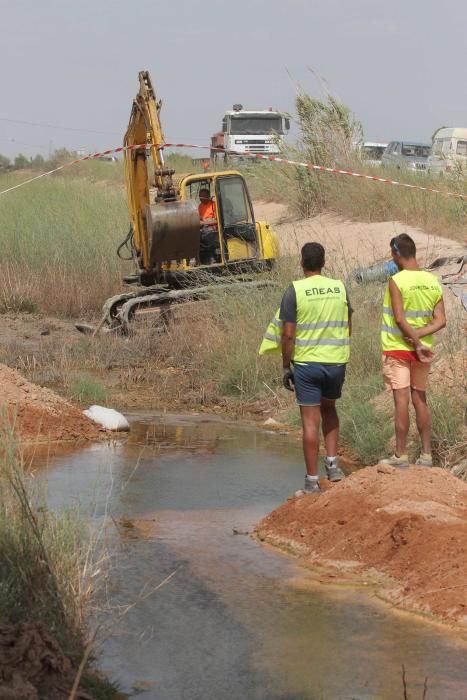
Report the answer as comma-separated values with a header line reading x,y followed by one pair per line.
x,y
107,417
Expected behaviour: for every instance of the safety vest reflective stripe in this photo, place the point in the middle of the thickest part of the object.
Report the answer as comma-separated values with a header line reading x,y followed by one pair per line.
x,y
391,329
270,336
420,292
322,324
313,326
322,341
409,314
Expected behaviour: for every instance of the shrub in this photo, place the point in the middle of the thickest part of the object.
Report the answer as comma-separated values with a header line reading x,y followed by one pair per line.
x,y
88,391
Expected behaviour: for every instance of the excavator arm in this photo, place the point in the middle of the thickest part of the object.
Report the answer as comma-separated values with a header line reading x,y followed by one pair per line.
x,y
145,127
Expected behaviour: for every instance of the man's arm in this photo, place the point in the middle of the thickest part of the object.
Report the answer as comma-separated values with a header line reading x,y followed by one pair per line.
x,y
288,343
350,311
437,322
423,354
398,311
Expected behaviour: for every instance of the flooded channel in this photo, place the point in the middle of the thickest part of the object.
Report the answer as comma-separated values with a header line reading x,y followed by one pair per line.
x,y
232,622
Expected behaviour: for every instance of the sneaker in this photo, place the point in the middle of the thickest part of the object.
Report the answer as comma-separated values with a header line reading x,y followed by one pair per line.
x,y
333,471
311,486
399,461
425,460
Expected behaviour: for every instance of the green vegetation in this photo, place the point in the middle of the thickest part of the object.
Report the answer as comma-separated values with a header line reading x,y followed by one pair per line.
x,y
86,390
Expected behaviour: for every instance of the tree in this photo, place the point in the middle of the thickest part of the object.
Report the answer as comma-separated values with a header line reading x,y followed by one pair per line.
x,y
38,161
5,163
20,162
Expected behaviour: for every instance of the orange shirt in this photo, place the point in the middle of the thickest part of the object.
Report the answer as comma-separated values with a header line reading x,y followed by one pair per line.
x,y
207,210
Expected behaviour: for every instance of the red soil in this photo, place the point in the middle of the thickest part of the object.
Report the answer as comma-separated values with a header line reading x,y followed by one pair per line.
x,y
38,414
410,526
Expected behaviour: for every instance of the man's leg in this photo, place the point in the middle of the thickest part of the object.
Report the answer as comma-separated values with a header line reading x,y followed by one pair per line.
x,y
401,419
310,421
330,426
397,378
423,415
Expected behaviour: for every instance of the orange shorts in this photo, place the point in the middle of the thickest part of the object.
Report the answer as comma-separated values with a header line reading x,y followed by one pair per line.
x,y
400,374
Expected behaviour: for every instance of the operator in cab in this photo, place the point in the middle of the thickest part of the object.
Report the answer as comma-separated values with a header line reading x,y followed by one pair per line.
x,y
206,208
209,242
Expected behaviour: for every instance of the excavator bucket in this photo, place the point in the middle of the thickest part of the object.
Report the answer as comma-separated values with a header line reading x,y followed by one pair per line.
x,y
173,231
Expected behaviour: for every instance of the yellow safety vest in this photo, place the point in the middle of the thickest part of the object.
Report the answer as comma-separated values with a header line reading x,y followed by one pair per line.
x,y
271,343
420,292
322,331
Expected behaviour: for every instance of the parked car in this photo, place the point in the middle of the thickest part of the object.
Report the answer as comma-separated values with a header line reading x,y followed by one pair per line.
x,y
448,152
372,152
408,155
108,159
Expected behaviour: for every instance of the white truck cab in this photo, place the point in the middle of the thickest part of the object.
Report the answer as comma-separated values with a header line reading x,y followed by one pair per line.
x,y
448,152
250,131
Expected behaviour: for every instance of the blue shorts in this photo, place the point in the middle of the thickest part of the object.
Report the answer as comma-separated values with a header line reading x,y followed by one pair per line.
x,y
315,380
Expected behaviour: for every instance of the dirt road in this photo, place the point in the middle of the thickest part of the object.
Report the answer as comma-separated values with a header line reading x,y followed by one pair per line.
x,y
350,244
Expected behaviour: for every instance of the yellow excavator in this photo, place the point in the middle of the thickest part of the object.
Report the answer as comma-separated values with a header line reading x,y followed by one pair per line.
x,y
177,254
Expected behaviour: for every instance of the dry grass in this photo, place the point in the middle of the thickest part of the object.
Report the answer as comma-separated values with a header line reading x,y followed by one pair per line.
x,y
59,241
44,557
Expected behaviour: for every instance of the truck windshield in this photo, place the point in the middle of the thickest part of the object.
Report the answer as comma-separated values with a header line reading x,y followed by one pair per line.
x,y
255,125
414,149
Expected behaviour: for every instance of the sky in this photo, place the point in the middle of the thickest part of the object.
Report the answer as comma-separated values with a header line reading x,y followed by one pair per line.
x,y
399,65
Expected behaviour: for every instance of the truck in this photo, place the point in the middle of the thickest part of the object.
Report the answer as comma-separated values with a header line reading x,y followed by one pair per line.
x,y
449,152
249,131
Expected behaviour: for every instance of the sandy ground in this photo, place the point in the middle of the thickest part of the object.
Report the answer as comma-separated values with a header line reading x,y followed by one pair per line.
x,y
37,414
351,244
408,526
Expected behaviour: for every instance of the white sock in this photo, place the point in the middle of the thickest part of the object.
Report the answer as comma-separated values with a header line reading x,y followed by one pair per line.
x,y
331,459
312,478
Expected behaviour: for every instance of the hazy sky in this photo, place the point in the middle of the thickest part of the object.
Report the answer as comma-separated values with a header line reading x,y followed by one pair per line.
x,y
400,65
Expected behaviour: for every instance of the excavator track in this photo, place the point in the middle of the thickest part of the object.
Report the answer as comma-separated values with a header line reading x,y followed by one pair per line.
x,y
119,311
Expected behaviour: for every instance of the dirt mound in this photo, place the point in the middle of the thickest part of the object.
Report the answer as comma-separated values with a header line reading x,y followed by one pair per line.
x,y
408,525
37,413
31,663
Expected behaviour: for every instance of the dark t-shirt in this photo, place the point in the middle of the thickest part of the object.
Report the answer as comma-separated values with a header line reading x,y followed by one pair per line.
x,y
288,310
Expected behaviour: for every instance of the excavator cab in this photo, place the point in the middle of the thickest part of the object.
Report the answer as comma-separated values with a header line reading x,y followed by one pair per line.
x,y
230,235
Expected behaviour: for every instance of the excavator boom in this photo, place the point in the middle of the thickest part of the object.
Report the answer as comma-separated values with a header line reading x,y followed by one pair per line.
x,y
146,216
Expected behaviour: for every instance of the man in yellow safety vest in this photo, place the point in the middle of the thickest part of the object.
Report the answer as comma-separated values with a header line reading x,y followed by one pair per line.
x,y
413,309
312,330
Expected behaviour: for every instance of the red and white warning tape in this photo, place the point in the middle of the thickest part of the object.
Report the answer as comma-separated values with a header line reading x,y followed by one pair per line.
x,y
253,156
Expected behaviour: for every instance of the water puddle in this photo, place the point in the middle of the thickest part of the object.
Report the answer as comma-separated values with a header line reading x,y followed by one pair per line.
x,y
232,622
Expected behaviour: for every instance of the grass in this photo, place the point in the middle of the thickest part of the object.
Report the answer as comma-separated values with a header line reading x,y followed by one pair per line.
x,y
47,562
88,391
59,241
309,193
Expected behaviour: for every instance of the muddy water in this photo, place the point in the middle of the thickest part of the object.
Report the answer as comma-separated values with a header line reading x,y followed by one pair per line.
x,y
236,621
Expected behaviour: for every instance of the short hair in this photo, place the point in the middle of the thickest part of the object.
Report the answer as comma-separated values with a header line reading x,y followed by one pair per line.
x,y
312,257
403,245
